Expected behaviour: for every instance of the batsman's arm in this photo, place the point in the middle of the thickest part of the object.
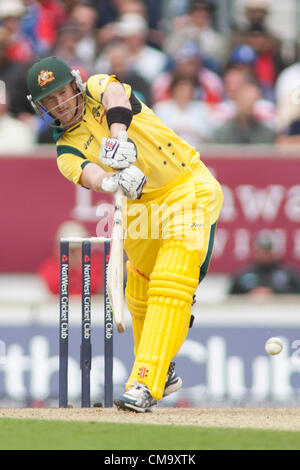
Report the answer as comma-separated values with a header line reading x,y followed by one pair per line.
x,y
118,108
92,177
119,116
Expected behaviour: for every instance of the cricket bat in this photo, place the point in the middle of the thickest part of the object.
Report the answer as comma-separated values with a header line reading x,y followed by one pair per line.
x,y
115,269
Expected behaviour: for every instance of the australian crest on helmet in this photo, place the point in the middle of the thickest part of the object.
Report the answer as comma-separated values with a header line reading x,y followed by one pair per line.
x,y
44,77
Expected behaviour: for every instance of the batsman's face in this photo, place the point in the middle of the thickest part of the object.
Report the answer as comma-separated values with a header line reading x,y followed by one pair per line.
x,y
62,104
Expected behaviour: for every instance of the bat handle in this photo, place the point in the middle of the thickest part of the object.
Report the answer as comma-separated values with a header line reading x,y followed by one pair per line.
x,y
119,197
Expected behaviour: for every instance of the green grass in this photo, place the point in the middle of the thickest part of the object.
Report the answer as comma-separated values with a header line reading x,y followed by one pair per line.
x,y
32,434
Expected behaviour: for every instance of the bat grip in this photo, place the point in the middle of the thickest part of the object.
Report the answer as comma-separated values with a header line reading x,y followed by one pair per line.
x,y
118,198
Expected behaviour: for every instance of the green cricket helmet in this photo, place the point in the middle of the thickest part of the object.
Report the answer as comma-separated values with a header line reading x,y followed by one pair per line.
x,y
46,76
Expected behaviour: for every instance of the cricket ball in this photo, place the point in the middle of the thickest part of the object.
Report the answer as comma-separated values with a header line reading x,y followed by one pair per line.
x,y
273,346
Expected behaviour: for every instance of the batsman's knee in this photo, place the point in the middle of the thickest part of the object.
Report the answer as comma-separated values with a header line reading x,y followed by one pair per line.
x,y
176,272
136,291
136,297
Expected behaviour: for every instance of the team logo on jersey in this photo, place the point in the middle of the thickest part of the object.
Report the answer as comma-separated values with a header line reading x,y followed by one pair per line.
x,y
98,114
95,112
87,143
44,77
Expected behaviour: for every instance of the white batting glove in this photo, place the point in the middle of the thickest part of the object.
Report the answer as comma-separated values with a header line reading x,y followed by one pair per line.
x,y
118,153
132,181
110,183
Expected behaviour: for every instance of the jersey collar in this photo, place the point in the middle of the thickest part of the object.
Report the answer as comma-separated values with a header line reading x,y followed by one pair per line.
x,y
59,131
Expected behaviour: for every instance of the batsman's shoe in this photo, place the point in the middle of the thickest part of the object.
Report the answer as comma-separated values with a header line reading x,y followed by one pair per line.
x,y
136,398
173,382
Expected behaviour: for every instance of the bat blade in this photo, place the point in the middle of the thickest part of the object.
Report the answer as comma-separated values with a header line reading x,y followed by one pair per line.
x,y
115,270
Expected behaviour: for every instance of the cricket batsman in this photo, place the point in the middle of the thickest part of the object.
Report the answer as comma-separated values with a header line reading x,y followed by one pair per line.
x,y
107,139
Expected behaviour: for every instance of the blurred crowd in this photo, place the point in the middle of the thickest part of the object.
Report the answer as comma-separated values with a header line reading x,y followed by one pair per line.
x,y
238,88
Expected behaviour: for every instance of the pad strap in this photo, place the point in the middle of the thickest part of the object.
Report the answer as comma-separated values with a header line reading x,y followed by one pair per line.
x,y
120,115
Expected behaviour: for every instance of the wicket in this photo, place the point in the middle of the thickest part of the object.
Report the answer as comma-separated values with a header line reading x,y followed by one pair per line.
x,y
85,347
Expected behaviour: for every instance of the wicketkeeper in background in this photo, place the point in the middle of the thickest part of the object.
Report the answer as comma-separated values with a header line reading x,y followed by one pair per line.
x,y
107,139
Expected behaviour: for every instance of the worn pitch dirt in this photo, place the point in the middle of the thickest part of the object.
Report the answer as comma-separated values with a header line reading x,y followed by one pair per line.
x,y
260,418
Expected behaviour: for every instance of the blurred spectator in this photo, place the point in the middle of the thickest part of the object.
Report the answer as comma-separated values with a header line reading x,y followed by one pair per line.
x,y
116,60
147,61
65,48
50,268
151,10
234,78
175,8
109,13
256,14
292,134
198,26
56,9
154,13
85,16
14,76
19,48
15,135
189,118
69,5
40,23
257,11
256,64
138,7
267,275
287,92
245,128
243,57
268,63
189,61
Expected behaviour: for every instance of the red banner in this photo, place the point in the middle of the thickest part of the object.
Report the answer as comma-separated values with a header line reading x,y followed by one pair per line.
x,y
35,200
260,193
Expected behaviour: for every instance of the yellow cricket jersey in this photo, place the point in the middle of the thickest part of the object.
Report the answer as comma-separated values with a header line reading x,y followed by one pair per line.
x,y
162,155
